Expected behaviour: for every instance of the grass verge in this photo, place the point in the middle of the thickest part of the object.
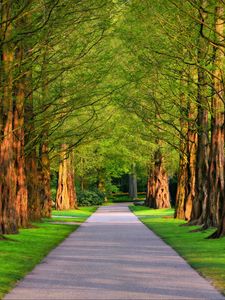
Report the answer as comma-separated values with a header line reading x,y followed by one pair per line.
x,y
205,255
73,215
20,253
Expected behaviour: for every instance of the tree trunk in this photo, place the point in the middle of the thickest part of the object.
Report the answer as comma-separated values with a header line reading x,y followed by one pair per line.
x,y
192,138
201,186
158,187
216,207
202,162
8,180
188,143
21,186
216,159
66,194
71,183
133,183
182,188
220,232
101,183
150,185
44,161
188,204
44,178
34,207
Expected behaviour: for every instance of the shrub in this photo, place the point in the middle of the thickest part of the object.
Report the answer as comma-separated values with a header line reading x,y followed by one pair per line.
x,y
101,194
89,198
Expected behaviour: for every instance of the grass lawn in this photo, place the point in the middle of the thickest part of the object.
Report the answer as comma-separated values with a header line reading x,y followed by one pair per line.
x,y
19,253
72,215
118,198
64,219
205,255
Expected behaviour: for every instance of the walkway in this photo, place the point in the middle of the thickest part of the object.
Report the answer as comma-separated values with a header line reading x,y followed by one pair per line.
x,y
113,256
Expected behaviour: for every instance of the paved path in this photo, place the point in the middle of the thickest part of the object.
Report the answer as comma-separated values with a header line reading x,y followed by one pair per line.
x,y
113,256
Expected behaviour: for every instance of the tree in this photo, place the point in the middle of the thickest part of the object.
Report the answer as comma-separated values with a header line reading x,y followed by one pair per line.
x,y
32,62
158,186
202,156
8,193
215,207
66,194
133,182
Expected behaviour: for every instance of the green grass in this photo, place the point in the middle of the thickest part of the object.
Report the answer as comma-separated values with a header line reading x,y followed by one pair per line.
x,y
207,256
108,203
20,253
118,198
72,215
65,219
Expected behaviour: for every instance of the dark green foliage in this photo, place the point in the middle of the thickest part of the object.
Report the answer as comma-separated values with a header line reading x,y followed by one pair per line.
x,y
89,198
54,182
121,198
100,194
122,183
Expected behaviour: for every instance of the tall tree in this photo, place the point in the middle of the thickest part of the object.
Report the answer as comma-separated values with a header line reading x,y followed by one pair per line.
x,y
202,159
182,191
20,93
158,185
133,182
216,201
66,194
8,213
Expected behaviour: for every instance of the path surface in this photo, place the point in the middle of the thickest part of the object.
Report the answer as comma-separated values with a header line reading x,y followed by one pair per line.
x,y
113,256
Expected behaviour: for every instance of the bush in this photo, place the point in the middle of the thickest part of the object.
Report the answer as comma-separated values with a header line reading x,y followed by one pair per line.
x,y
100,194
89,198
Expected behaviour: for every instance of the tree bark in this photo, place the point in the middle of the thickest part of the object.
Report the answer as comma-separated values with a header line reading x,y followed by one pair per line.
x,y
133,183
8,180
216,204
44,161
21,186
158,187
188,144
34,206
192,138
150,186
66,194
216,159
71,183
202,162
182,188
182,185
191,173
202,165
44,178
